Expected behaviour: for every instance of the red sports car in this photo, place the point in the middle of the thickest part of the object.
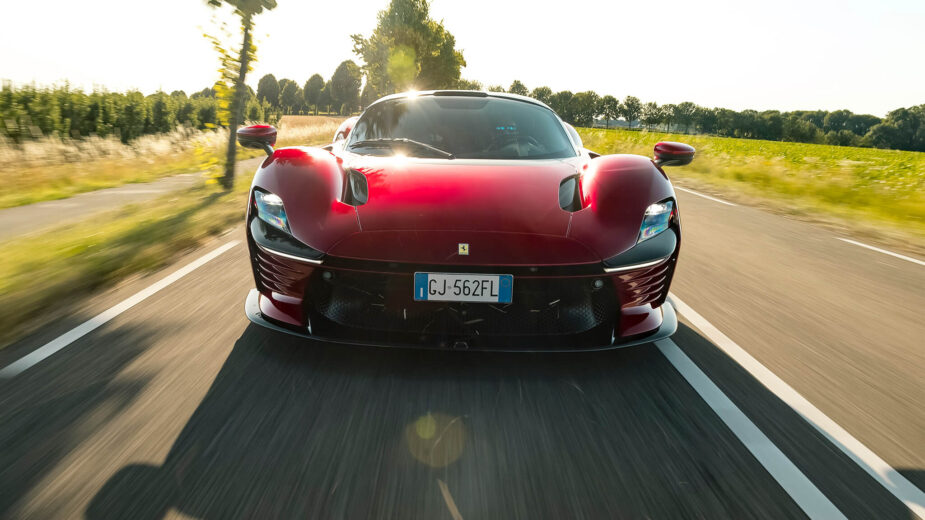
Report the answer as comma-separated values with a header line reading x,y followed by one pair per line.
x,y
462,220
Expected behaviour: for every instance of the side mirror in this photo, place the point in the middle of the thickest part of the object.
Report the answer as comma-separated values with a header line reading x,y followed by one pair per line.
x,y
668,153
262,137
343,131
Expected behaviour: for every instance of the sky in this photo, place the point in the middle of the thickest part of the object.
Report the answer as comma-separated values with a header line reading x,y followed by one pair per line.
x,y
865,56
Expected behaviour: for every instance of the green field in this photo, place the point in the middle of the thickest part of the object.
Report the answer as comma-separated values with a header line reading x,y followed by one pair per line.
x,y
862,187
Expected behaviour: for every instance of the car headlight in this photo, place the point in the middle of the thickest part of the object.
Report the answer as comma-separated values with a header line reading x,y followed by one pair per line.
x,y
270,210
657,219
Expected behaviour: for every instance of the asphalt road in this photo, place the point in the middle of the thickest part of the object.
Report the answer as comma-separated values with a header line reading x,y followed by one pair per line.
x,y
180,408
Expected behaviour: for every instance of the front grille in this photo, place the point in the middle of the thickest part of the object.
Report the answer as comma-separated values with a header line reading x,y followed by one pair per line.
x,y
384,302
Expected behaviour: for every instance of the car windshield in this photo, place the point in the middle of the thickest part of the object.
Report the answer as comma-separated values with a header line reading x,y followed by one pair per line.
x,y
466,127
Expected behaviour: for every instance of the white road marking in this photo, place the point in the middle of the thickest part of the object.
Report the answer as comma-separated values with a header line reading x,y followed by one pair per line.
x,y
794,482
877,468
448,498
714,199
31,359
884,251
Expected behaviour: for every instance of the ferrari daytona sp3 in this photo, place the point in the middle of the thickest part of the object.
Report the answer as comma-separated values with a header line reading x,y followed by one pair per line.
x,y
462,220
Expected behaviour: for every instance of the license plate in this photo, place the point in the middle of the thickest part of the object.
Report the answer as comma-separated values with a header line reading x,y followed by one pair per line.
x,y
451,287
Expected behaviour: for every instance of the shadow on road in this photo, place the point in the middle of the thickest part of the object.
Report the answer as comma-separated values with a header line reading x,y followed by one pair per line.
x,y
40,424
290,429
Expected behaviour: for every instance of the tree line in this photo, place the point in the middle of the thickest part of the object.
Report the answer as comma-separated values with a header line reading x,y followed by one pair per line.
x,y
30,112
901,129
340,94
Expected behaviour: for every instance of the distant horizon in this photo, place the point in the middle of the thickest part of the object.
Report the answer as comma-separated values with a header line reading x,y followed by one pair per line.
x,y
793,55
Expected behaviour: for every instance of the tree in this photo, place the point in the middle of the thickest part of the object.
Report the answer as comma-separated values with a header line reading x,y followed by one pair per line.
x,y
770,125
518,88
131,120
268,90
842,138
408,49
583,108
324,99
726,121
609,108
705,120
630,109
206,114
836,121
289,95
204,93
368,96
684,114
495,88
542,94
246,9
345,86
186,113
254,111
816,117
795,128
561,103
651,115
162,114
860,124
669,115
312,91
902,129
468,84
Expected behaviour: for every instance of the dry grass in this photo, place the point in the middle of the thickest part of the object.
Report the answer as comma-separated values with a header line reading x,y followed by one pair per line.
x,y
54,168
300,130
292,122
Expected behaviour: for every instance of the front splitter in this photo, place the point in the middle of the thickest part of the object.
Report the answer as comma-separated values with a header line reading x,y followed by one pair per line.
x,y
667,328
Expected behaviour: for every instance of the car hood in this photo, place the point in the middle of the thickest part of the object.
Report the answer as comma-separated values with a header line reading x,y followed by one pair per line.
x,y
421,210
497,196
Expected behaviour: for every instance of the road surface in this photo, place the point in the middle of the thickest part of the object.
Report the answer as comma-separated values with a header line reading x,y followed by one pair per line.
x,y
179,408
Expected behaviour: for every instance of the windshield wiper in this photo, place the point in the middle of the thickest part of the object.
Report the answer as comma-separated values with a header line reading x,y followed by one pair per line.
x,y
401,140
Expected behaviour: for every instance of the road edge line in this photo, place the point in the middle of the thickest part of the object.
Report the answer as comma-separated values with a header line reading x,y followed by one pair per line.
x,y
38,355
893,481
884,251
714,199
806,495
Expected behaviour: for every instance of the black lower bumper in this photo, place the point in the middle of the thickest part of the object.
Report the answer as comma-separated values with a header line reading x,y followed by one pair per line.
x,y
668,326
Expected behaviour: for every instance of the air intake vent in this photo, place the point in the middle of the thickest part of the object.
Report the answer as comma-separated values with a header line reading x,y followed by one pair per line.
x,y
570,194
356,190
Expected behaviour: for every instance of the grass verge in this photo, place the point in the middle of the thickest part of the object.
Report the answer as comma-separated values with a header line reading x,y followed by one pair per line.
x,y
43,274
864,189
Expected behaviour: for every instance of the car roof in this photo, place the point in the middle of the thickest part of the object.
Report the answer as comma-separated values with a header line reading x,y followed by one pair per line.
x,y
461,93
